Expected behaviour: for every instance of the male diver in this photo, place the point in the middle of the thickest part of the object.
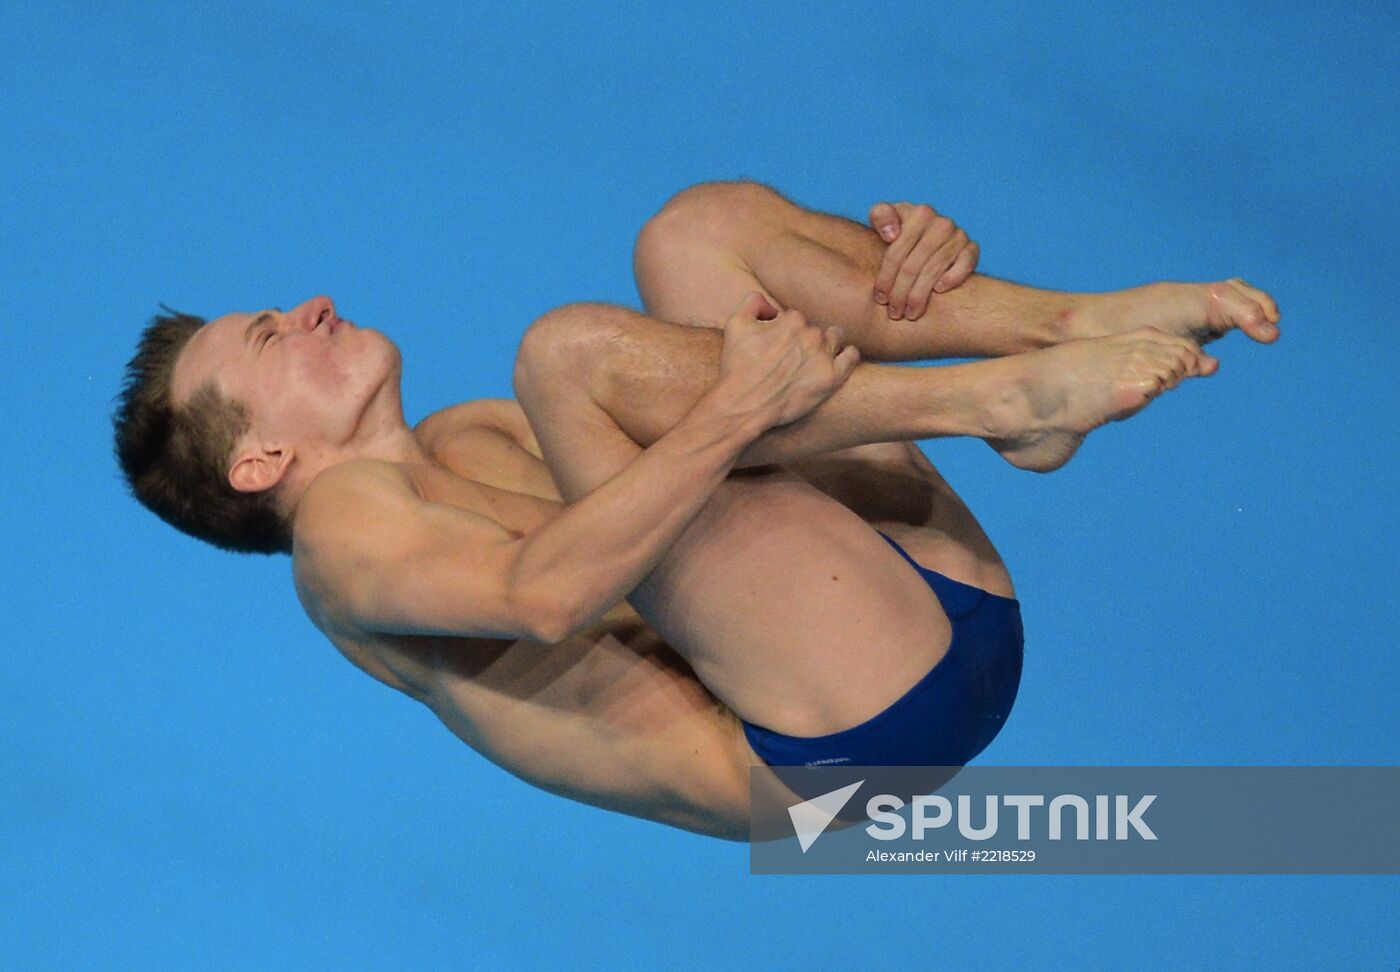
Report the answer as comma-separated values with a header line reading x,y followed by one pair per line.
x,y
838,598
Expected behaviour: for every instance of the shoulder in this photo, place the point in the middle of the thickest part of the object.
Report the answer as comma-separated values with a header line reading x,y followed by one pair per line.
x,y
370,553
351,514
354,522
344,497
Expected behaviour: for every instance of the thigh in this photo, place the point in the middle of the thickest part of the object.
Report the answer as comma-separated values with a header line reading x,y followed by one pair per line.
x,y
687,266
895,487
792,609
687,276
695,284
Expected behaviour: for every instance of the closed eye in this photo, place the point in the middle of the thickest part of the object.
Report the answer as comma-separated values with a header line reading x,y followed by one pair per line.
x,y
252,335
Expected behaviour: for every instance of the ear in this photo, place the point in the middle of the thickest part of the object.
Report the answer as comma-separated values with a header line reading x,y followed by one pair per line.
x,y
258,469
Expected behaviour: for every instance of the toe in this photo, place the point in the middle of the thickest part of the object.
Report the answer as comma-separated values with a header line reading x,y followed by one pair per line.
x,y
1232,306
1261,297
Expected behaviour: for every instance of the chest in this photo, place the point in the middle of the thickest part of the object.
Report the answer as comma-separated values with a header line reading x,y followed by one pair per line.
x,y
488,473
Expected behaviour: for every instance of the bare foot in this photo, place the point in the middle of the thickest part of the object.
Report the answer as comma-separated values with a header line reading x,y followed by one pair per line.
x,y
1202,312
1056,396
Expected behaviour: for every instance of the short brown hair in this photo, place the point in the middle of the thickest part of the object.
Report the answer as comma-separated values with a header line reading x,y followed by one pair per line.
x,y
176,459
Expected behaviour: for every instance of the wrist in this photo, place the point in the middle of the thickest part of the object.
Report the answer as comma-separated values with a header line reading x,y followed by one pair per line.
x,y
717,416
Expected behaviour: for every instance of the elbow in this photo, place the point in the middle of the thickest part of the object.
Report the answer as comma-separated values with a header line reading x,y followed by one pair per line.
x,y
551,630
548,619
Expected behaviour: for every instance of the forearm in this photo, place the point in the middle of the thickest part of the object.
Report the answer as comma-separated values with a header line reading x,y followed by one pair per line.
x,y
600,547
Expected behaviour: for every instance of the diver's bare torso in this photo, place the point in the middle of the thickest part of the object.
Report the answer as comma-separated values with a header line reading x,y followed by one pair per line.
x,y
613,716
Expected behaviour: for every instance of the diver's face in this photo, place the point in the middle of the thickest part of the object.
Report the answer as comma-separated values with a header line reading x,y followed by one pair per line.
x,y
303,376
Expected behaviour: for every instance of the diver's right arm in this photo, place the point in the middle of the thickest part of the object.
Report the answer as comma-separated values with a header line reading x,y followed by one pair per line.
x,y
373,552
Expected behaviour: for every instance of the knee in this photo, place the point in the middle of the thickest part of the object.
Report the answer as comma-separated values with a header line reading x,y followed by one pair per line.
x,y
722,214
563,345
718,198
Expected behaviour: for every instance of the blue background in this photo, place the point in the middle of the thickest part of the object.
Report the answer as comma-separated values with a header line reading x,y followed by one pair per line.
x,y
193,777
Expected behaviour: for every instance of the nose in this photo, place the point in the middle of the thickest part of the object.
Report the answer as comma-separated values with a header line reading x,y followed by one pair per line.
x,y
317,310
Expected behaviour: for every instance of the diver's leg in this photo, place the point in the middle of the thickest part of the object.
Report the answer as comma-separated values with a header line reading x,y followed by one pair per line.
x,y
788,606
1035,409
896,489
712,243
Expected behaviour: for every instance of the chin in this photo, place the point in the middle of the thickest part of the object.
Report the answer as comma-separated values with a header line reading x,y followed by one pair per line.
x,y
386,368
373,352
380,341
392,357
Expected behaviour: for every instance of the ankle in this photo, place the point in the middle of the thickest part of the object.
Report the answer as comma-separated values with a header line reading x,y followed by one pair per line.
x,y
1083,316
1003,409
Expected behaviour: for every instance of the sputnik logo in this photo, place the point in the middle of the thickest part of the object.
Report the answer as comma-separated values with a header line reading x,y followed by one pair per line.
x,y
810,818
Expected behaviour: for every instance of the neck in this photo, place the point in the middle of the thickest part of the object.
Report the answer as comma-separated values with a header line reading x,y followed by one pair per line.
x,y
381,434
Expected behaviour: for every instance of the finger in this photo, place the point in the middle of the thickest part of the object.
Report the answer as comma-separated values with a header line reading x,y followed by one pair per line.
x,y
949,249
811,338
948,252
757,305
934,235
834,337
960,270
912,221
888,265
884,220
933,269
846,362
917,301
942,261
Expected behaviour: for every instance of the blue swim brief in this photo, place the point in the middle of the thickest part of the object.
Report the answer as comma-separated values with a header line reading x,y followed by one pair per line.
x,y
950,715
